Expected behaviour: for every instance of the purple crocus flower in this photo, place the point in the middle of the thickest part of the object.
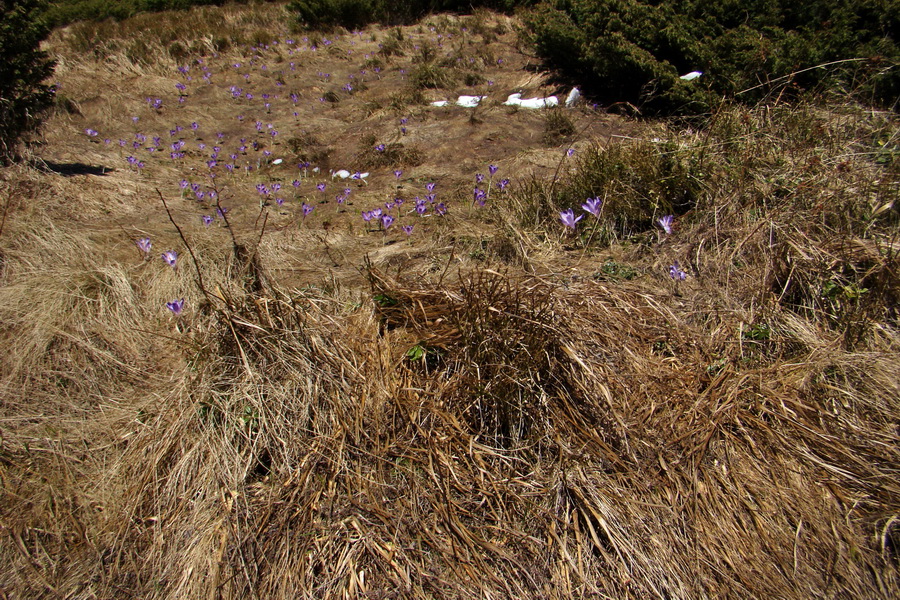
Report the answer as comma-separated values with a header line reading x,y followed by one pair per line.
x,y
429,186
144,244
170,256
492,169
676,273
502,184
176,306
367,216
398,173
387,221
479,196
379,148
407,229
593,205
320,187
91,132
307,208
569,219
478,178
666,223
207,220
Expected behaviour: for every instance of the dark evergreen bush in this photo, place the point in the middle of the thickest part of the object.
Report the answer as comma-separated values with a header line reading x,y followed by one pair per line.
x,y
635,50
24,96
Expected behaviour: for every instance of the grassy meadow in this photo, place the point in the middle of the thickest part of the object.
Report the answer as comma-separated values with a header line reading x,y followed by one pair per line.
x,y
276,326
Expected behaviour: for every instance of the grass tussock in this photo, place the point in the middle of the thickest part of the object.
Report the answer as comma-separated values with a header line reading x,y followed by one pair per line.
x,y
156,42
546,441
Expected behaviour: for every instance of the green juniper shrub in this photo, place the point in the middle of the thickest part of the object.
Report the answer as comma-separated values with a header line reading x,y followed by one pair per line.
x,y
24,67
634,51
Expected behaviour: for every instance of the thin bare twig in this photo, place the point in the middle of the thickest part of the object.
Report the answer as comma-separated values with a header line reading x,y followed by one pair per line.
x,y
187,245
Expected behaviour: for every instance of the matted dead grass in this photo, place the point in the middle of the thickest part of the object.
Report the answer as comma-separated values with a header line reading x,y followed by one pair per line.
x,y
550,442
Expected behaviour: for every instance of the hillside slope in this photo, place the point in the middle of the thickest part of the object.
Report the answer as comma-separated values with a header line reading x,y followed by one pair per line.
x,y
421,383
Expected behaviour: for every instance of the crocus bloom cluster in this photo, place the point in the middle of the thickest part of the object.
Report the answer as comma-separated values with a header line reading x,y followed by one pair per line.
x,y
593,205
176,306
569,219
170,257
676,273
666,223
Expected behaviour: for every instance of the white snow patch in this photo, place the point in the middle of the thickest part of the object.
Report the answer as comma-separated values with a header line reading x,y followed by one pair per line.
x,y
469,101
691,76
516,100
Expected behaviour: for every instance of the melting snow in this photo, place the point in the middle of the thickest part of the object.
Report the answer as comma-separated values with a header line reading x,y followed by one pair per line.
x,y
469,101
464,101
573,97
516,100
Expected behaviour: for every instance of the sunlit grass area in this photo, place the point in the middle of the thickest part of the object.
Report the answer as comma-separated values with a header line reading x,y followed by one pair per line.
x,y
276,325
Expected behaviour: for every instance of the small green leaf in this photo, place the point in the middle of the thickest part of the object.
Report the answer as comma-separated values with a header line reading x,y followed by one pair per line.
x,y
417,352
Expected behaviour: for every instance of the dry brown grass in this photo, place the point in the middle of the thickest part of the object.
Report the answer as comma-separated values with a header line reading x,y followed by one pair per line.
x,y
492,409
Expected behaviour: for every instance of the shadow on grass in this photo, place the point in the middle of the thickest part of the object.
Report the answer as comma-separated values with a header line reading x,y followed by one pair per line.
x,y
72,169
